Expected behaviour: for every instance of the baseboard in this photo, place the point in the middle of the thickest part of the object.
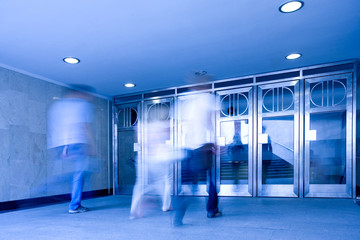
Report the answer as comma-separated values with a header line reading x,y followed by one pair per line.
x,y
42,201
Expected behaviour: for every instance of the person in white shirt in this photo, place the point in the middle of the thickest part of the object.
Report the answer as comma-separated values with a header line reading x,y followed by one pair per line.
x,y
159,157
199,140
69,133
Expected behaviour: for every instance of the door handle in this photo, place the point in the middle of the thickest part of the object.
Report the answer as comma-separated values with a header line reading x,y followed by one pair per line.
x,y
263,138
310,135
137,147
221,141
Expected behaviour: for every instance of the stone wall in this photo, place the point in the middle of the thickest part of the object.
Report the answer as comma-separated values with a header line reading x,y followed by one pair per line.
x,y
27,169
357,153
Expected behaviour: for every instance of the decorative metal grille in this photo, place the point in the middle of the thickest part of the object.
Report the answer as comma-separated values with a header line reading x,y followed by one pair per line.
x,y
279,99
158,112
328,93
235,104
127,117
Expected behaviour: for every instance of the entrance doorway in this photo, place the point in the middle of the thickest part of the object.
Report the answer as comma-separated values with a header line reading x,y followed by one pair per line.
x,y
275,138
290,139
328,134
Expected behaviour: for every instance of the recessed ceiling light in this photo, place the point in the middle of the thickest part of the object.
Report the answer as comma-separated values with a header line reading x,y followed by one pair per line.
x,y
71,60
293,56
129,85
291,6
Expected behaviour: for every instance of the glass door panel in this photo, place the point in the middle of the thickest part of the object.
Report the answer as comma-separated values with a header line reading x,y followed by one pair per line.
x,y
278,134
278,152
234,158
234,134
126,117
328,152
328,132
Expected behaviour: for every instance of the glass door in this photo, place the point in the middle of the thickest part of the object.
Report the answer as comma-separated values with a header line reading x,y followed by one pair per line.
x,y
157,168
127,136
328,130
278,139
234,139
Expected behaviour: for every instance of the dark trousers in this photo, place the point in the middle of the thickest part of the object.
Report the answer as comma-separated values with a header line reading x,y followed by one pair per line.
x,y
195,162
213,201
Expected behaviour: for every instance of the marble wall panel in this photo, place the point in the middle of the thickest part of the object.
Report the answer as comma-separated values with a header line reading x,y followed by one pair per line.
x,y
38,90
37,145
28,168
4,164
4,79
37,116
19,82
5,143
4,106
17,107
19,142
4,187
19,177
53,92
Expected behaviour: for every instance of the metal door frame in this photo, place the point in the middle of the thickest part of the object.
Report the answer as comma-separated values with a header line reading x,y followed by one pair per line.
x,y
144,163
278,190
330,190
348,67
244,189
126,189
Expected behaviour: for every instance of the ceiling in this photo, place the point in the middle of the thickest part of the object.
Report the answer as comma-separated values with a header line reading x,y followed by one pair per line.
x,y
158,44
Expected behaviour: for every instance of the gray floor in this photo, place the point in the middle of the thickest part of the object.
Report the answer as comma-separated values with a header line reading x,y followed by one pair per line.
x,y
244,218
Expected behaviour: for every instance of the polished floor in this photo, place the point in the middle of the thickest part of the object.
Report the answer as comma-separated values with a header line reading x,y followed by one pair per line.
x,y
244,218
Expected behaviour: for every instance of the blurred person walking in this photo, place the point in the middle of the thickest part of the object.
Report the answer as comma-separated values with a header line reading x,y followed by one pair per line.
x,y
200,147
70,136
159,157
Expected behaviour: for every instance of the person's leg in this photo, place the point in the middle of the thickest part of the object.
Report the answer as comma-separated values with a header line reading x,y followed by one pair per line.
x,y
212,204
77,186
180,205
135,201
141,190
76,156
167,189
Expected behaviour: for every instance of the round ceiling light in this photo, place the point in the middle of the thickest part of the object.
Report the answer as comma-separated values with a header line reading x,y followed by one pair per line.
x,y
129,85
71,60
291,6
293,56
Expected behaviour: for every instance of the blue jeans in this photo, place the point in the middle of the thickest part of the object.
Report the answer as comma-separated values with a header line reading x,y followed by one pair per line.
x,y
77,187
76,155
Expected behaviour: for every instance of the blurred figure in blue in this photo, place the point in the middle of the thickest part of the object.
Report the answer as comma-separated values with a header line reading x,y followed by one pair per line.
x,y
159,157
236,149
70,136
200,146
